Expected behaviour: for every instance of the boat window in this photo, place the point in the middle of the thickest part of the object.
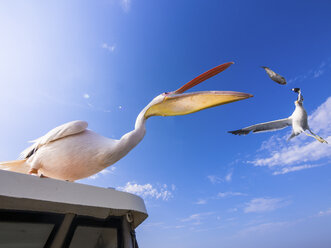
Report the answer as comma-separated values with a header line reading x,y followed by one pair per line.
x,y
95,233
96,237
20,234
22,229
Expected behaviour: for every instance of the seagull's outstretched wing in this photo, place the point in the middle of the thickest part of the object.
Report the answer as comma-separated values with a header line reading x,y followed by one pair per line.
x,y
264,127
59,132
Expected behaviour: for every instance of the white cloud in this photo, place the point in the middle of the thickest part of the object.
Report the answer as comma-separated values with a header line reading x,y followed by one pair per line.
x,y
148,190
201,202
263,228
228,177
86,96
173,187
301,150
258,205
324,213
196,218
225,194
214,179
294,154
296,168
110,170
316,72
232,210
153,224
126,4
110,48
320,119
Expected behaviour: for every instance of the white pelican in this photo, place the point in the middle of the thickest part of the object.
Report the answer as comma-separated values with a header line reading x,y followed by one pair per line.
x,y
71,151
274,76
298,120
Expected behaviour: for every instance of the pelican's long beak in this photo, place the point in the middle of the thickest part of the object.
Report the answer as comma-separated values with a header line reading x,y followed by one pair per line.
x,y
188,103
176,103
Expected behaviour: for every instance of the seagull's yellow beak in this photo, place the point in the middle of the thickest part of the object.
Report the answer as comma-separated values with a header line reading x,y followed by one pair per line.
x,y
177,103
183,104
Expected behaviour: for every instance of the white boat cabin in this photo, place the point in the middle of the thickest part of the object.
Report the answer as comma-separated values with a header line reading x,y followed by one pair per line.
x,y
41,212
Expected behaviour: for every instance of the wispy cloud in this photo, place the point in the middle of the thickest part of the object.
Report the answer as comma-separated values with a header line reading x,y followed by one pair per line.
x,y
218,196
214,179
126,5
226,194
161,192
316,72
110,48
196,219
320,119
110,170
258,205
324,213
303,149
228,177
296,168
201,202
153,224
217,179
263,228
86,96
232,210
296,154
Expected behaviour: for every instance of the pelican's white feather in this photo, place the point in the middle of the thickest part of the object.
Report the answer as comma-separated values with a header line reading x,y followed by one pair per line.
x,y
70,128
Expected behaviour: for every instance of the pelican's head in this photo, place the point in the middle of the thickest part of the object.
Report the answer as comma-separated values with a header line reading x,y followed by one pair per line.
x,y
179,103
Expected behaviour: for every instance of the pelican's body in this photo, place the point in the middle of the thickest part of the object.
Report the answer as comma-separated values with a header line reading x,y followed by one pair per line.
x,y
71,151
81,155
81,152
77,156
298,120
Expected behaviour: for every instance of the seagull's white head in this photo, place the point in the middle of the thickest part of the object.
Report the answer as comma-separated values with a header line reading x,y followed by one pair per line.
x,y
179,103
299,100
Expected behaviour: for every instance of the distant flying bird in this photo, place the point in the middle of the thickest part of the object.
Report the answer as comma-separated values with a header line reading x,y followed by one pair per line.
x,y
298,120
274,76
71,151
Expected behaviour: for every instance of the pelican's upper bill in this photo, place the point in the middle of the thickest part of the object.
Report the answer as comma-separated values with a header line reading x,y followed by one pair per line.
x,y
177,103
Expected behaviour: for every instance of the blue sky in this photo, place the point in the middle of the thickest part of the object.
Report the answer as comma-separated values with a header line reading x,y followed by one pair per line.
x,y
103,61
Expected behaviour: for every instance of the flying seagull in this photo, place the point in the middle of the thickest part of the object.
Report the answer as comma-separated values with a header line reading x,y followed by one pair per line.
x,y
298,120
71,151
274,76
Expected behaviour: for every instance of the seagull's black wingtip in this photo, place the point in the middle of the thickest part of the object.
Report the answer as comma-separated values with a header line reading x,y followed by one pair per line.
x,y
239,132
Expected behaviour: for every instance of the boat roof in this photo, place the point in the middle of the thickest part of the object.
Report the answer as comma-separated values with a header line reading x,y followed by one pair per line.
x,y
32,193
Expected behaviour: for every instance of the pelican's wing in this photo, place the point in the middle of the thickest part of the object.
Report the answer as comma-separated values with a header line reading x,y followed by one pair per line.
x,y
59,132
264,127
